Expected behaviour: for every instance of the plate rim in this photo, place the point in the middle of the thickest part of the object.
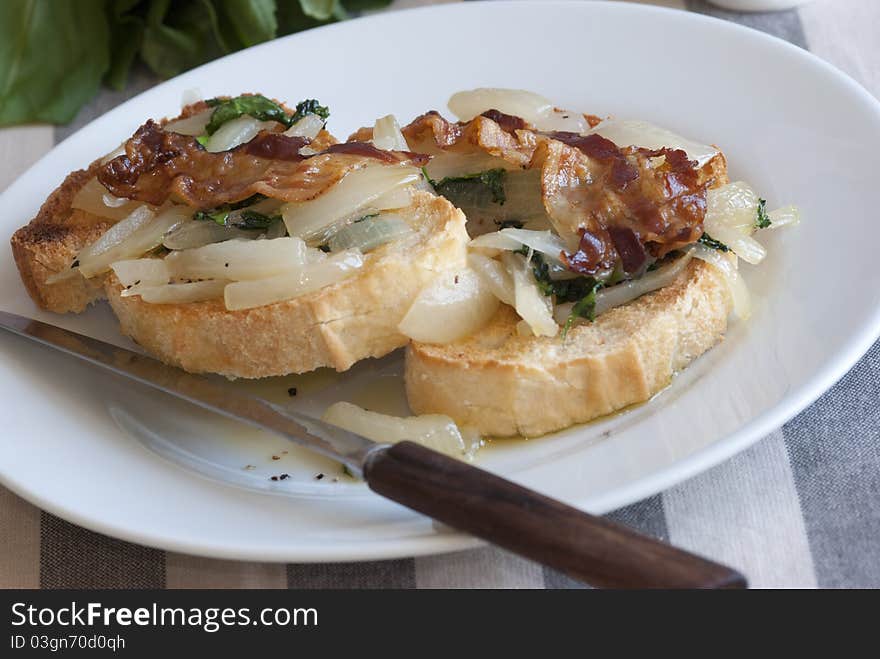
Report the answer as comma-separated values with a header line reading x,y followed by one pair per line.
x,y
703,459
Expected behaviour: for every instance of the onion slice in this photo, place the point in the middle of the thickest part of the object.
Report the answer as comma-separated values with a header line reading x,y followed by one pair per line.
x,y
436,431
731,211
532,306
357,190
545,242
235,132
238,260
726,263
197,291
370,233
94,198
134,236
388,136
627,132
194,125
517,102
198,233
309,127
495,276
309,278
454,305
133,272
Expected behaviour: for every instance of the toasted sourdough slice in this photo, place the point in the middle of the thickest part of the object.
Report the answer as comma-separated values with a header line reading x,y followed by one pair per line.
x,y
335,326
49,244
505,384
51,241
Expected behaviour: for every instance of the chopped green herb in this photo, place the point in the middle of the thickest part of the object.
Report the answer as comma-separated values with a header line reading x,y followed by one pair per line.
x,y
365,217
247,219
762,221
709,241
256,106
309,106
565,290
324,248
203,140
492,179
583,308
254,220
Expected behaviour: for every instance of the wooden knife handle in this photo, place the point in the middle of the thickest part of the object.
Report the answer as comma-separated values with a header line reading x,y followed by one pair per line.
x,y
586,547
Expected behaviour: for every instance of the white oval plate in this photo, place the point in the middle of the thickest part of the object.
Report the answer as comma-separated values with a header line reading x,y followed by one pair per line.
x,y
83,447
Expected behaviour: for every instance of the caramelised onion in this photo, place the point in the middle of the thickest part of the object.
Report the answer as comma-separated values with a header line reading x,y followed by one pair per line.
x,y
436,431
133,236
388,136
454,305
629,132
235,132
494,275
545,242
726,263
94,198
356,191
238,260
197,233
517,102
197,291
783,217
309,127
731,211
150,272
450,163
311,277
370,233
532,306
534,108
626,292
194,125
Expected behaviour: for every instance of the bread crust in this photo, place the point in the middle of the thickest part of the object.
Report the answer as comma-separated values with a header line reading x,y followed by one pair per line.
x,y
507,385
333,327
51,241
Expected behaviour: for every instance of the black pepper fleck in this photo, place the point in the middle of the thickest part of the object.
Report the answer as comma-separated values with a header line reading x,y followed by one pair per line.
x,y
276,457
319,476
75,263
284,476
291,391
225,265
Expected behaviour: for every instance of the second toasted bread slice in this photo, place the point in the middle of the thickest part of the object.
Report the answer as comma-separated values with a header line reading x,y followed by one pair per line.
x,y
505,384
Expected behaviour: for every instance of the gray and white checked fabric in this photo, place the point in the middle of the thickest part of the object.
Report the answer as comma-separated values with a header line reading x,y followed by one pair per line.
x,y
799,509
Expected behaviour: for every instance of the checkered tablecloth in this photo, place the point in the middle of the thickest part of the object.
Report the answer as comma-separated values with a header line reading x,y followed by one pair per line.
x,y
801,508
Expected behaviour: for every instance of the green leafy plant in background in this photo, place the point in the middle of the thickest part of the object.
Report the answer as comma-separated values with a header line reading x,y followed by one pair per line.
x,y
55,54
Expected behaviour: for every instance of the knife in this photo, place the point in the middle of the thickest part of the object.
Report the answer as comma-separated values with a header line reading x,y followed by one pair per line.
x,y
585,547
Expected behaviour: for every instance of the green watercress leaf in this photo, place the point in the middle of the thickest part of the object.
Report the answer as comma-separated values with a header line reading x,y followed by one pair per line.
x,y
762,221
493,179
248,22
126,35
53,56
256,106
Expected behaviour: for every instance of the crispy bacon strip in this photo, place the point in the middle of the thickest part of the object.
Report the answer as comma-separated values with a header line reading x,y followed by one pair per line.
x,y
493,134
624,203
158,165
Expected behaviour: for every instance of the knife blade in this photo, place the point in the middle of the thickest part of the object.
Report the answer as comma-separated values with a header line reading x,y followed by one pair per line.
x,y
589,548
314,434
